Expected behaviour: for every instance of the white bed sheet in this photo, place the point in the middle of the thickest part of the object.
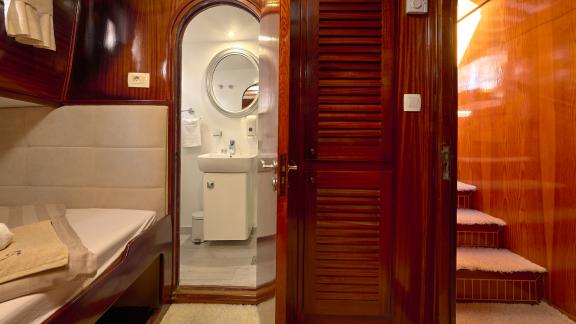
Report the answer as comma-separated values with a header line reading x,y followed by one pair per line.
x,y
104,232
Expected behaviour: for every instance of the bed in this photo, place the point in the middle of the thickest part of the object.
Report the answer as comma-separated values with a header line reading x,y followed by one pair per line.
x,y
125,241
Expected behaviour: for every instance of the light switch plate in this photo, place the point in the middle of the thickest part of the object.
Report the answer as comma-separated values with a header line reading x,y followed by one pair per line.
x,y
138,80
412,102
417,7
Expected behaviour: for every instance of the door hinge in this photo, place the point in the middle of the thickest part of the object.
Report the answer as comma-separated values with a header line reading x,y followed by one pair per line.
x,y
445,156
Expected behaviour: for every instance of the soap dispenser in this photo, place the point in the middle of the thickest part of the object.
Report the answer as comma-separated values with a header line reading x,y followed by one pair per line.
x,y
251,126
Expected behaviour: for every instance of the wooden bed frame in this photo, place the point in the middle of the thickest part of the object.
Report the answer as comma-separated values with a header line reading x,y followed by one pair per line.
x,y
139,254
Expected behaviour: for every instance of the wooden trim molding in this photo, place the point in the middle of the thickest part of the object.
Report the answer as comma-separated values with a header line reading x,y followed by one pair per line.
x,y
224,295
115,102
71,52
282,224
178,27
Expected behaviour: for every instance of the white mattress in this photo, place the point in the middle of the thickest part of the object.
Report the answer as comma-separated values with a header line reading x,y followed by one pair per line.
x,y
104,232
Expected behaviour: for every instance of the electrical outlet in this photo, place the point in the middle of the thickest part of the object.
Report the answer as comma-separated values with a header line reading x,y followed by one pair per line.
x,y
416,7
138,80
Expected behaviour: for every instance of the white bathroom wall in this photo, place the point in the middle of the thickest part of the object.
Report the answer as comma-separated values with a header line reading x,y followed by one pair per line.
x,y
197,52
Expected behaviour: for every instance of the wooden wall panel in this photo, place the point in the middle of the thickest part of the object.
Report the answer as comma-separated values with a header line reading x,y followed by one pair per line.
x,y
425,203
34,74
117,37
518,79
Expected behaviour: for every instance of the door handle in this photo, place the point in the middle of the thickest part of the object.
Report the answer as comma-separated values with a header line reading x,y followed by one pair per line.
x,y
271,166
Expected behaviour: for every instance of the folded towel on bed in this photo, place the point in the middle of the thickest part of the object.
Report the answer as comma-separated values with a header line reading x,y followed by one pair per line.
x,y
36,248
81,262
5,236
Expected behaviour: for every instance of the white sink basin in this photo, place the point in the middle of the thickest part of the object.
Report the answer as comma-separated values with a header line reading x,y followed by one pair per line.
x,y
224,163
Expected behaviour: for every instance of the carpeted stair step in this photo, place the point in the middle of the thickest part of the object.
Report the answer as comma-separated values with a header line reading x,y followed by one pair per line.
x,y
477,229
465,192
497,275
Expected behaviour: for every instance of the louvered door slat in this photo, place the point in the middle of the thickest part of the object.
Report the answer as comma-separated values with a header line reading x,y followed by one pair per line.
x,y
347,237
350,68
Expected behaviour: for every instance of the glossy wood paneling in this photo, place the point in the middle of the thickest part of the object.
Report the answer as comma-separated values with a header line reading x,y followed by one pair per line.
x,y
424,213
518,79
425,224
282,237
34,74
117,37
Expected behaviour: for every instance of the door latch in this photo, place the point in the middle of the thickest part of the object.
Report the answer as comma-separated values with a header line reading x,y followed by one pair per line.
x,y
445,155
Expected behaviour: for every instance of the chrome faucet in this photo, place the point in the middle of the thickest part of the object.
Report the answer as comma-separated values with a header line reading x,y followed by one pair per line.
x,y
232,147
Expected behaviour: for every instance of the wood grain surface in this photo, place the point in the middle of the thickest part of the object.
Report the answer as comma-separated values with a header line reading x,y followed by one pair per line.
x,y
421,60
35,74
117,37
518,79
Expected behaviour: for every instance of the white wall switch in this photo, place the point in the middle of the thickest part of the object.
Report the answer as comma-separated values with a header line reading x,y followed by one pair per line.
x,y
416,7
412,102
138,80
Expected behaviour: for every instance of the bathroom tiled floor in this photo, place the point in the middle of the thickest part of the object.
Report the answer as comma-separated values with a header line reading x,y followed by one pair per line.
x,y
218,263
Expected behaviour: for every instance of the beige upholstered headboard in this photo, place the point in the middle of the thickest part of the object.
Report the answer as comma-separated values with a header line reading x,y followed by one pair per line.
x,y
84,156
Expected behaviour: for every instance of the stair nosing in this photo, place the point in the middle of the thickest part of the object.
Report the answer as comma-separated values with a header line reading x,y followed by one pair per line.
x,y
529,265
491,219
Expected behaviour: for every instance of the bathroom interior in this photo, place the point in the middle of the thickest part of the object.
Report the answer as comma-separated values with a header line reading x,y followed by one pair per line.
x,y
227,194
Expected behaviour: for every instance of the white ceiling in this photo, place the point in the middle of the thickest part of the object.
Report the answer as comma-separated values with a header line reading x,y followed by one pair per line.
x,y
11,103
214,24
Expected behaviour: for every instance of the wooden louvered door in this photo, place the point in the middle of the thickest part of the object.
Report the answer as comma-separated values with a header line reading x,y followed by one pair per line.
x,y
347,255
350,72
347,112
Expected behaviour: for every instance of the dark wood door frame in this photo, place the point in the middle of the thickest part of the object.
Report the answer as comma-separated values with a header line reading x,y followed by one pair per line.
x,y
425,257
191,294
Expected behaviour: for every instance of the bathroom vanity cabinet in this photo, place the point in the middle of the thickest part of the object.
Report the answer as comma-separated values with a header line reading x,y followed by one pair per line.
x,y
227,206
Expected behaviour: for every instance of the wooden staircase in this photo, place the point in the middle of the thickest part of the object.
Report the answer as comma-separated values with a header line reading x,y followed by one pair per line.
x,y
486,271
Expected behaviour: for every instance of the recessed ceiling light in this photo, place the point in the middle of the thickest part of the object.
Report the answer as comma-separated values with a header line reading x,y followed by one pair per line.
x,y
231,34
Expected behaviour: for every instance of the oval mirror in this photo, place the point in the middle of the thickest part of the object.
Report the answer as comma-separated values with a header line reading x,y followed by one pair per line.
x,y
232,82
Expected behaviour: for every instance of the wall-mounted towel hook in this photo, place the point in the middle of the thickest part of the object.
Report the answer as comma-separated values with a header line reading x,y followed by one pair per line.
x,y
189,110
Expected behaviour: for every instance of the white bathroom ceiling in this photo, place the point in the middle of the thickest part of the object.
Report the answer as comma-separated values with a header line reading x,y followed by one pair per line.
x,y
215,24
11,103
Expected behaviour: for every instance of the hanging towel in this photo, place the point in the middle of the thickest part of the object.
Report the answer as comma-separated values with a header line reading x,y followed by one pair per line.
x,y
30,22
191,130
6,236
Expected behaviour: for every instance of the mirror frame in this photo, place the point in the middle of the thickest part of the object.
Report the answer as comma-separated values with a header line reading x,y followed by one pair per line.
x,y
210,74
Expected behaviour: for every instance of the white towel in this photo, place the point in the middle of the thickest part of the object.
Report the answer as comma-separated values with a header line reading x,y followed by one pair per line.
x,y
191,130
30,22
6,236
